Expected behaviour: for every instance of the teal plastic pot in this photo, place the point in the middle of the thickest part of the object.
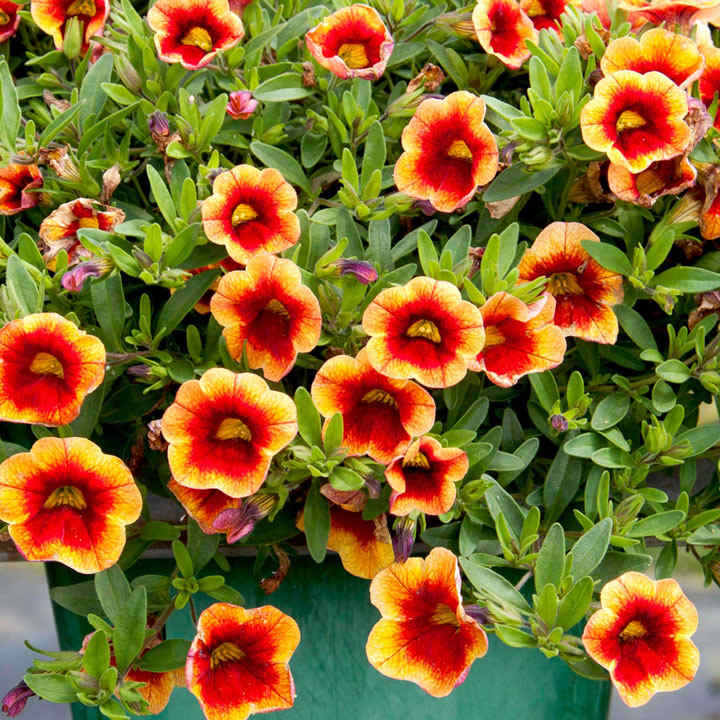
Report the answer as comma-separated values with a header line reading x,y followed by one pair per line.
x,y
333,678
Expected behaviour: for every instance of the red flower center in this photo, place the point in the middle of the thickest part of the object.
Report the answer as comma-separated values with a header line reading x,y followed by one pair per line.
x,y
198,37
380,397
242,213
563,283
353,55
46,364
424,328
226,652
66,496
634,630
233,429
81,7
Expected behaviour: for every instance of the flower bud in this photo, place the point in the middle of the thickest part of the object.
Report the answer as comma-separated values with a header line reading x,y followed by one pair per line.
x,y
159,125
404,538
72,40
478,613
127,73
15,700
74,279
239,522
361,270
155,438
241,105
559,423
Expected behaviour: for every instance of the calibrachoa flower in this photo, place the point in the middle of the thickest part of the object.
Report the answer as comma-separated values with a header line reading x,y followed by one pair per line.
x,y
709,84
251,210
424,636
642,636
545,13
584,290
47,368
266,310
636,119
424,478
52,16
448,151
238,661
502,27
241,104
667,177
9,19
519,338
14,701
17,182
380,415
352,42
671,12
423,330
224,429
364,546
672,54
65,500
203,506
157,687
193,32
58,230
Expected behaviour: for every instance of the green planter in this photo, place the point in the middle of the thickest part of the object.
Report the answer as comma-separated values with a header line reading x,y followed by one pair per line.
x,y
334,681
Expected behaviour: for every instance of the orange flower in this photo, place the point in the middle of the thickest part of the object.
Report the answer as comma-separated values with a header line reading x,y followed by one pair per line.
x,y
636,119
352,42
600,8
267,310
667,177
545,13
238,661
380,415
251,210
67,501
424,636
47,367
448,151
671,12
502,27
203,506
156,689
224,430
584,291
709,84
674,55
424,478
9,19
519,339
59,229
193,32
52,16
17,181
202,306
423,330
364,546
642,636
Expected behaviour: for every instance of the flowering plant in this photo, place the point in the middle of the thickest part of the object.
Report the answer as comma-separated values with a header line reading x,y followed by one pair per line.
x,y
368,279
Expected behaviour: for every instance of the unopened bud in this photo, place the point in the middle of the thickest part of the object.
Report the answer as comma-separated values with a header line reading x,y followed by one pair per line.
x,y
361,270
239,522
559,423
404,538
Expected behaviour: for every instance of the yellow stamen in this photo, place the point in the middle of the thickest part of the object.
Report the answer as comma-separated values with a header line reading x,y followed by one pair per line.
x,y
534,8
81,7
242,213
564,284
227,652
232,429
379,396
493,336
67,495
276,307
46,364
444,615
459,149
88,222
425,329
416,460
199,37
353,55
634,629
649,182
4,18
629,120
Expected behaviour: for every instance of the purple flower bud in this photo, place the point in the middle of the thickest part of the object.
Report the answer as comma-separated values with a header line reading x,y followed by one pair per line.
x,y
363,271
404,538
74,279
425,206
239,522
373,486
478,613
14,702
241,104
559,423
158,124
140,371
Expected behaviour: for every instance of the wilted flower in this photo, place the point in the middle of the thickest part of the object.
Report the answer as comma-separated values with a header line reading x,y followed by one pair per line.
x,y
361,270
60,161
667,177
74,279
15,700
430,78
241,104
17,183
238,522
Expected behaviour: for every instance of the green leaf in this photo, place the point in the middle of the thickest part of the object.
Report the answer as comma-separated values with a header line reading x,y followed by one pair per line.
x,y
515,181
514,637
113,591
570,76
109,305
168,655
663,397
616,563
701,438
551,558
474,416
561,485
608,256
79,598
345,479
52,687
375,153
633,323
96,657
705,536
201,546
316,520
283,162
500,501
674,371
688,279
10,110
285,87
489,584
183,301
162,196
545,388
21,287
92,97
309,423
657,524
610,411
575,604
584,445
183,560
129,631
589,551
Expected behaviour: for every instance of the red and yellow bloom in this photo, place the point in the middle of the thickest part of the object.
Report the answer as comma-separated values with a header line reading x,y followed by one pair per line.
x,y
424,636
9,19
352,42
545,14
251,210
672,54
667,177
224,430
671,12
268,311
502,27
380,415
52,16
519,338
17,183
424,477
203,506
448,151
47,368
195,31
424,331
584,290
636,119
238,661
364,546
709,84
67,501
642,636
